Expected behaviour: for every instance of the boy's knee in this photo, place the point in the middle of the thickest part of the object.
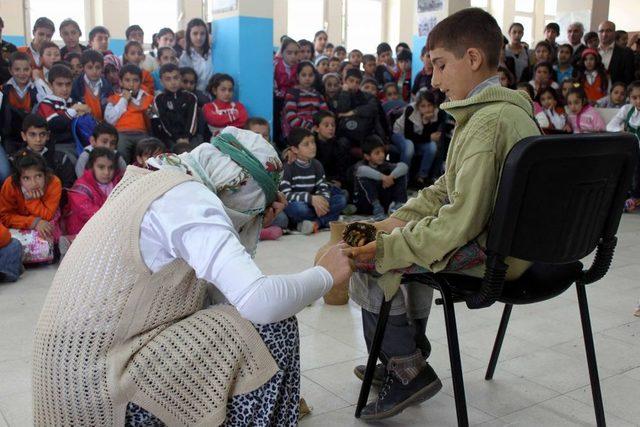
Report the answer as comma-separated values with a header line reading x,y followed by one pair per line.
x,y
338,201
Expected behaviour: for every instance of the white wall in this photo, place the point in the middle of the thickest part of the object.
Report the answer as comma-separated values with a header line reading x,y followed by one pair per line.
x,y
625,14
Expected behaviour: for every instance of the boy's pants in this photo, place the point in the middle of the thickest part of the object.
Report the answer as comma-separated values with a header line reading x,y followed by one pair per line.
x,y
370,190
127,142
410,308
301,211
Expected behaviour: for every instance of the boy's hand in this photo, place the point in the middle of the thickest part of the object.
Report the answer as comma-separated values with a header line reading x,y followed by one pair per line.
x,y
126,94
272,211
182,141
363,253
320,205
37,74
389,224
289,156
152,111
435,137
387,181
336,184
338,264
347,114
45,229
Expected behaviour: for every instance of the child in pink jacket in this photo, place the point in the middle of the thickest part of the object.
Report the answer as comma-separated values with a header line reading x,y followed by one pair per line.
x,y
583,118
91,190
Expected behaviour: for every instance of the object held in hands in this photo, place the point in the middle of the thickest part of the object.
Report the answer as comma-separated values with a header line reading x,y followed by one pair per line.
x,y
358,234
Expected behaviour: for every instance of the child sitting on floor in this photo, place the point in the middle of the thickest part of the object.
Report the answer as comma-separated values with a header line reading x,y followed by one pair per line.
x,y
311,203
617,97
259,125
49,55
380,186
223,111
147,148
90,87
583,118
29,206
105,136
134,54
91,190
35,134
166,55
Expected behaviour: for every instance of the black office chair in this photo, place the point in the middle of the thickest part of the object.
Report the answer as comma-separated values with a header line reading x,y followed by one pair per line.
x,y
559,198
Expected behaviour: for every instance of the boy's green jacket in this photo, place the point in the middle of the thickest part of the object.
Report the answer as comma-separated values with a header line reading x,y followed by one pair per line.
x,y
457,208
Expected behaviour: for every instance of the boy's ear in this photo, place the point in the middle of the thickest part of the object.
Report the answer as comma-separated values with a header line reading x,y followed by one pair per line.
x,y
92,140
314,128
24,136
476,58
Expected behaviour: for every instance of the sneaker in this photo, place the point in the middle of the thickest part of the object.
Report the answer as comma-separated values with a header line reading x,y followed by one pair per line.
x,y
378,374
394,396
350,209
271,233
307,227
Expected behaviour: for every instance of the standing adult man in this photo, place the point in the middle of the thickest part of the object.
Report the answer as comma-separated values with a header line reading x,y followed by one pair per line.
x,y
575,32
618,61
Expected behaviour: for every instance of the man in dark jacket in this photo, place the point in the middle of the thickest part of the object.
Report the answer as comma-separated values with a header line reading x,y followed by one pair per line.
x,y
617,60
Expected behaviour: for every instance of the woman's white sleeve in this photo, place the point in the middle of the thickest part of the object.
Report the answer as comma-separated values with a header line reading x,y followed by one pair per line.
x,y
189,222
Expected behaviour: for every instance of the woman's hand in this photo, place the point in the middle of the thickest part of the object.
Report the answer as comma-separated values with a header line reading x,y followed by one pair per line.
x,y
389,224
338,264
272,211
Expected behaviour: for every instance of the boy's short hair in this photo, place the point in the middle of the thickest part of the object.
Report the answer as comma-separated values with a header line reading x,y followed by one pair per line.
x,y
331,75
590,36
526,87
355,51
402,45
633,85
425,95
162,50
130,69
98,152
424,51
18,56
544,64
98,30
44,22
168,68
59,71
390,85
334,59
297,135
354,72
544,44
149,146
339,48
259,121
329,45
370,143
404,55
189,70
47,45
553,26
321,115
90,56
368,80
164,31
105,128
465,29
34,121
73,55
620,34
566,46
68,22
131,28
382,48
368,58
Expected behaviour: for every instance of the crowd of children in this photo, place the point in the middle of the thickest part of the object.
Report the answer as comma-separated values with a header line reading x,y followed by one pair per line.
x,y
353,129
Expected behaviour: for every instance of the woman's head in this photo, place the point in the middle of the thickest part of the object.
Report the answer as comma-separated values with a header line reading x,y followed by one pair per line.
x,y
221,87
618,93
197,36
289,51
133,53
516,32
30,171
103,164
548,98
576,99
426,103
320,41
306,74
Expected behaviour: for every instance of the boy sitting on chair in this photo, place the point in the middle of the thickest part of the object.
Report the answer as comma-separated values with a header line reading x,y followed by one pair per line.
x,y
445,226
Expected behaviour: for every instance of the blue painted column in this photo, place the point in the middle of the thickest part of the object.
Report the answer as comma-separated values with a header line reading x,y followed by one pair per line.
x,y
242,48
417,43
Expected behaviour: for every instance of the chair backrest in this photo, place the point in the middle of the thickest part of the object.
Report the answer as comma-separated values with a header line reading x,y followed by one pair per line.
x,y
607,113
561,195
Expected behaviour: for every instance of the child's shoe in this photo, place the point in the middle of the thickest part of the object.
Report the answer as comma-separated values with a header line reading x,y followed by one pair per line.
x,y
378,211
307,227
631,204
272,232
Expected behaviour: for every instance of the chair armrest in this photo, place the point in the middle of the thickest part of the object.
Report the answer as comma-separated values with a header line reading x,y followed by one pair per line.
x,y
601,262
492,283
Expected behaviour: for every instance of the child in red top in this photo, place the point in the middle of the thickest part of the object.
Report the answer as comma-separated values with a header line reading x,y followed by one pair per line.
x,y
223,111
91,190
30,198
133,54
593,78
128,111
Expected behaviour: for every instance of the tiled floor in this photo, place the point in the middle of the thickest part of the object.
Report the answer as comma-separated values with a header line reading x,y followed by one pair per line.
x,y
541,379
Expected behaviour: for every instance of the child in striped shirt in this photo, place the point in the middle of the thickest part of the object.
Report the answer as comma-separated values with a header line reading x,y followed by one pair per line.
x,y
302,101
312,202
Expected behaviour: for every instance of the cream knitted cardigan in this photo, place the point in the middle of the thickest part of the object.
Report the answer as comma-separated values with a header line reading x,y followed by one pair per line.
x,y
113,332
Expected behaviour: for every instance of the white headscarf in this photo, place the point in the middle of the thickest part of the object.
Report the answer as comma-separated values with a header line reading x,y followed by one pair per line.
x,y
242,196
